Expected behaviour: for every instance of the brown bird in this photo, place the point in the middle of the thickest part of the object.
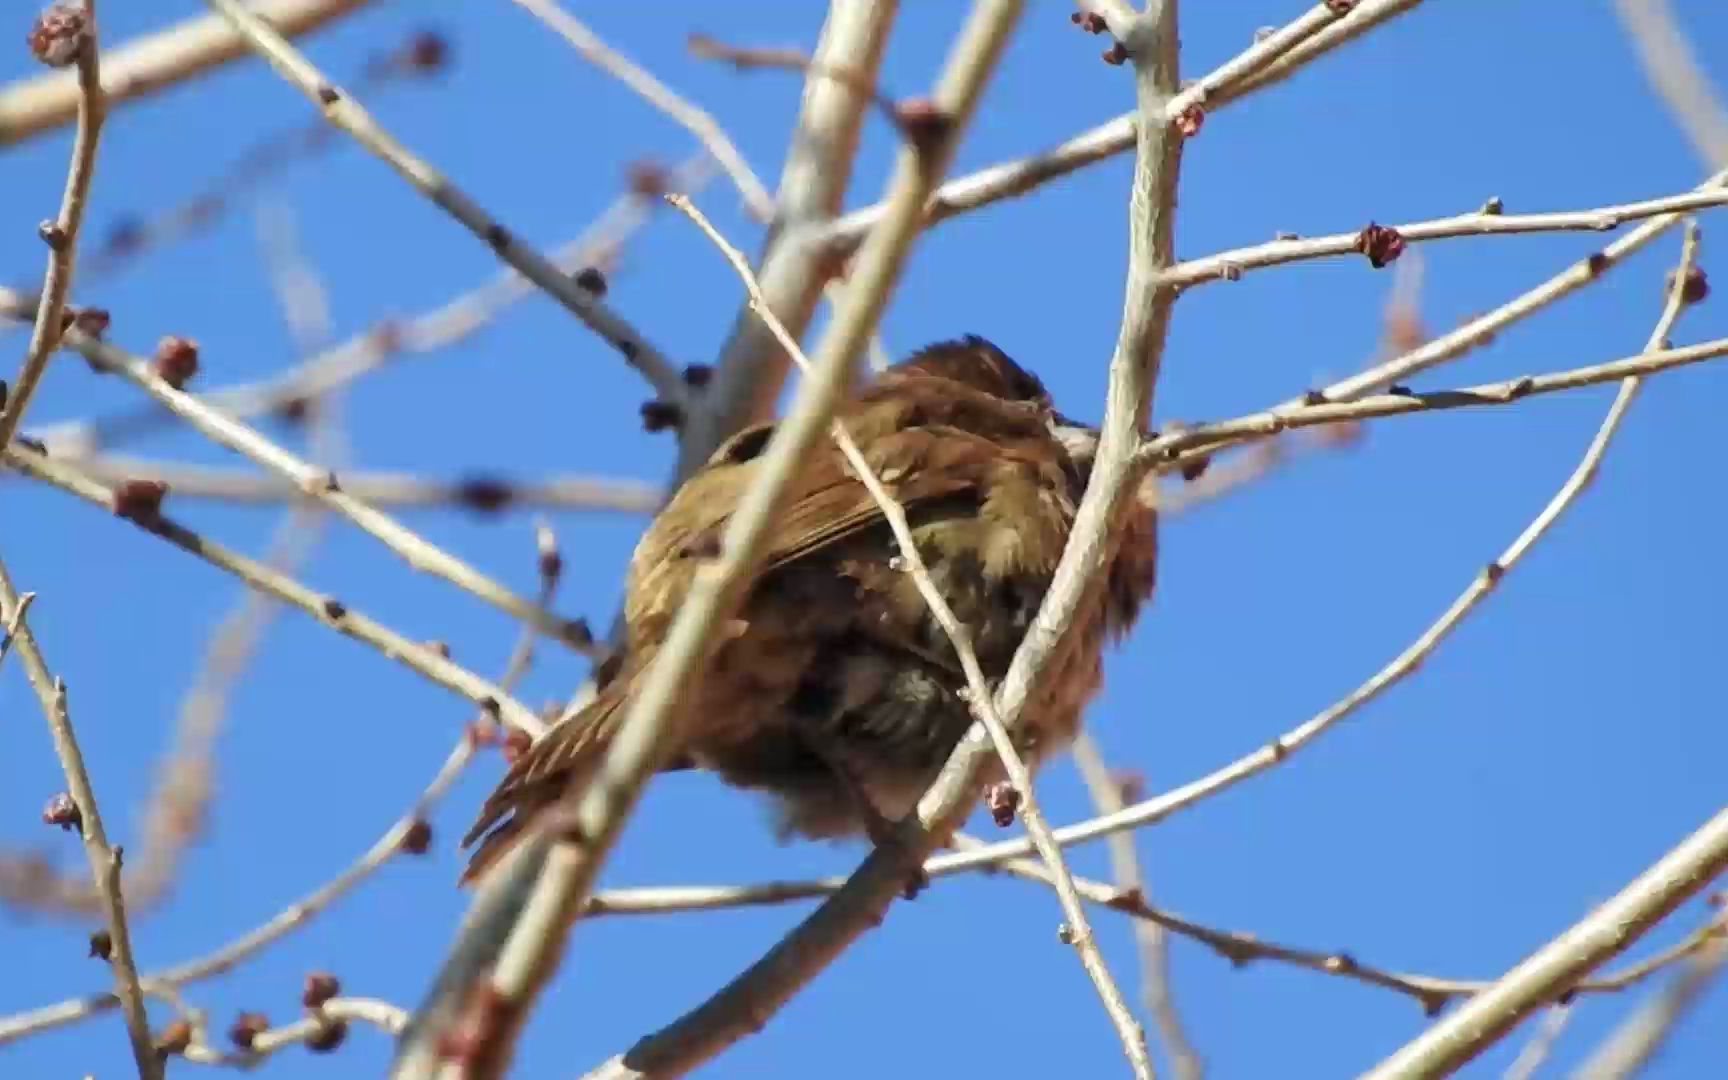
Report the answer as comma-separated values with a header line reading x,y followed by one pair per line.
x,y
836,691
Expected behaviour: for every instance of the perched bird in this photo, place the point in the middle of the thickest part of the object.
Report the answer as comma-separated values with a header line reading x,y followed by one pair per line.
x,y
835,690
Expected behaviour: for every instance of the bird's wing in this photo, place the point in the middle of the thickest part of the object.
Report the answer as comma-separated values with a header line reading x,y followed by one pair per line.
x,y
916,466
539,777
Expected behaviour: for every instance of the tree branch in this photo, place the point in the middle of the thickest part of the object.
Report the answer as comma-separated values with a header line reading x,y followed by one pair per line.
x,y
60,28
104,859
344,112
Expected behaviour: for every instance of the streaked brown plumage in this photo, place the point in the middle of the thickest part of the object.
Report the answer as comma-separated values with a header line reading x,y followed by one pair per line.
x,y
836,691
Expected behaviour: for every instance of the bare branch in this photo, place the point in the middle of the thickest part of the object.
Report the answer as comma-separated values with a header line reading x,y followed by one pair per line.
x,y
1010,178
322,486
68,26
1229,265
104,859
1171,451
750,367
1673,71
683,112
321,1029
438,328
1483,327
481,493
333,613
1108,797
344,112
1551,971
148,64
1640,1036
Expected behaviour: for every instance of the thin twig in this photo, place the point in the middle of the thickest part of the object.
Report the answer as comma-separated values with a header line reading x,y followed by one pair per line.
x,y
322,486
1007,179
1239,948
481,493
1535,1052
391,339
132,236
1488,1016
1229,265
681,110
1107,796
344,112
416,656
750,368
61,234
104,859
979,696
1641,1035
410,829
1672,68
789,58
178,802
316,1025
1190,444
1482,328
13,621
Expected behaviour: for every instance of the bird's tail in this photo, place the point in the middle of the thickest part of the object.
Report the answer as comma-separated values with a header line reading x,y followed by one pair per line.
x,y
543,778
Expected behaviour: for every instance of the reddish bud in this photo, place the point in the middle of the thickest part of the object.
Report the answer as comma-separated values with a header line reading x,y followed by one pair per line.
x,y
246,1027
320,987
647,179
418,839
1193,469
173,1039
91,321
328,1037
427,51
60,34
485,494
176,360
1694,289
1381,243
591,280
920,121
140,500
62,810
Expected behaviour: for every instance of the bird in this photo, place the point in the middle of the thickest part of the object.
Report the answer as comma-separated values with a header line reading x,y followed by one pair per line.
x,y
834,690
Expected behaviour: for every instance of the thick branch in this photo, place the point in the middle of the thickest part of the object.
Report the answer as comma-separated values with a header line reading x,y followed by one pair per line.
x,y
1552,970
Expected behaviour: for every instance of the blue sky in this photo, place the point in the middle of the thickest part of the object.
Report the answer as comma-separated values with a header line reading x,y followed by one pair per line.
x,y
1565,737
